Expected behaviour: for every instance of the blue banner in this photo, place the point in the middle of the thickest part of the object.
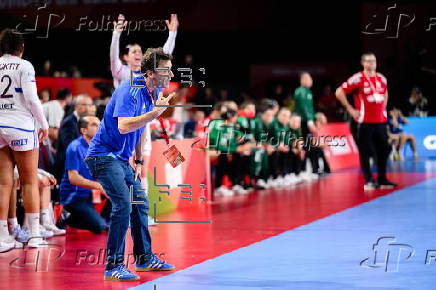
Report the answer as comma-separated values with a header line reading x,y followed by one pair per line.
x,y
424,130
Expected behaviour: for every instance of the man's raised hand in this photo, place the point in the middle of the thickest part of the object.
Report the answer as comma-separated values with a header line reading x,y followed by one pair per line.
x,y
164,101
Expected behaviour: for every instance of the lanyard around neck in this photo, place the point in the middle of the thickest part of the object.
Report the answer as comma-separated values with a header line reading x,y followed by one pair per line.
x,y
373,89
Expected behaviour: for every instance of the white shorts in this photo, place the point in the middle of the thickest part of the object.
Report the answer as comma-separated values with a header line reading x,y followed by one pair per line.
x,y
18,139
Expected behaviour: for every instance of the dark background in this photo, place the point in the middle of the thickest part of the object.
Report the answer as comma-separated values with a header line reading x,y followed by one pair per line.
x,y
229,37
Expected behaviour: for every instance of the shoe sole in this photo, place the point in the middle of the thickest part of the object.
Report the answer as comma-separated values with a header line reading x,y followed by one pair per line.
x,y
37,246
151,270
120,280
387,186
4,250
369,188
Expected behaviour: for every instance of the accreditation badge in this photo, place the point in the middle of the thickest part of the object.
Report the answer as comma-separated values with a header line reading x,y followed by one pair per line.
x,y
174,156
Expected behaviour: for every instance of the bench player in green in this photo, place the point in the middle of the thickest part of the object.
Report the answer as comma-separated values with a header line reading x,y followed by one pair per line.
x,y
226,139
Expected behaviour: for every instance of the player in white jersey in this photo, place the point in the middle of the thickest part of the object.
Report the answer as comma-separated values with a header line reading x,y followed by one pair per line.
x,y
132,57
22,127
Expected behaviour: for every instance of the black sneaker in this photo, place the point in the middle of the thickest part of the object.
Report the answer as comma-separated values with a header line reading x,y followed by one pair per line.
x,y
370,185
386,184
62,221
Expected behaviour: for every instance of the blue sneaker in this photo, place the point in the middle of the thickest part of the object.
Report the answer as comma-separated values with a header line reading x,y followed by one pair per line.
x,y
155,264
120,273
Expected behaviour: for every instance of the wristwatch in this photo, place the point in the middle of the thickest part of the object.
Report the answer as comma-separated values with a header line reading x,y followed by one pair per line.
x,y
139,162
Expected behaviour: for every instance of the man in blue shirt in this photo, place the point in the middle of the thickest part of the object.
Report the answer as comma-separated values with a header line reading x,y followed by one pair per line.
x,y
77,183
120,133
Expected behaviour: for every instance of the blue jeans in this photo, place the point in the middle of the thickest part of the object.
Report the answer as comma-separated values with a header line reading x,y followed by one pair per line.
x,y
84,216
117,179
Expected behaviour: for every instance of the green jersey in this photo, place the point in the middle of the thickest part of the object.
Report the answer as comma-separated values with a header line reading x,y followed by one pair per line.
x,y
304,104
246,125
224,137
294,134
279,132
263,132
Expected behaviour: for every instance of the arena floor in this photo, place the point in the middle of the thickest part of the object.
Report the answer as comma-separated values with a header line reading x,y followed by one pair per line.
x,y
327,234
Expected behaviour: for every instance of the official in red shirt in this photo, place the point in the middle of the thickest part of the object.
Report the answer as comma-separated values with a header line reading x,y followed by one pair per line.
x,y
369,89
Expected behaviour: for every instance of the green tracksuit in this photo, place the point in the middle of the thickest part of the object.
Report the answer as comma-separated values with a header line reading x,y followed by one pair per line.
x,y
279,132
262,135
224,137
245,125
304,104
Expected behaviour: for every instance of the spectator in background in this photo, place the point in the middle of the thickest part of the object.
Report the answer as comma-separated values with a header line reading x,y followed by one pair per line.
x,y
93,110
279,93
224,95
188,60
418,104
397,136
47,70
44,95
289,102
75,72
207,98
200,128
196,120
77,183
328,104
69,130
54,113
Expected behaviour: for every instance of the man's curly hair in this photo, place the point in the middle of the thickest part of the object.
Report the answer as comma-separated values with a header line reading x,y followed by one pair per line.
x,y
152,56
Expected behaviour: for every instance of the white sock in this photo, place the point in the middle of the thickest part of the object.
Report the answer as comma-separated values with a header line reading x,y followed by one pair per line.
x,y
4,232
12,223
144,183
45,216
32,223
51,210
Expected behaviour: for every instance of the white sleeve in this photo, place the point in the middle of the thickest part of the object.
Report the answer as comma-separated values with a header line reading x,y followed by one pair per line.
x,y
171,42
28,83
116,65
146,146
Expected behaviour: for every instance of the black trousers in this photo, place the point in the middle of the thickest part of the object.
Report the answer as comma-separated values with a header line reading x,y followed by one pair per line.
x,y
315,154
84,216
280,163
295,163
231,165
372,138
309,147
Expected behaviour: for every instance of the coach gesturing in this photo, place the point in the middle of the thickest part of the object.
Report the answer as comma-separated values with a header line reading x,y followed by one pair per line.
x,y
125,117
